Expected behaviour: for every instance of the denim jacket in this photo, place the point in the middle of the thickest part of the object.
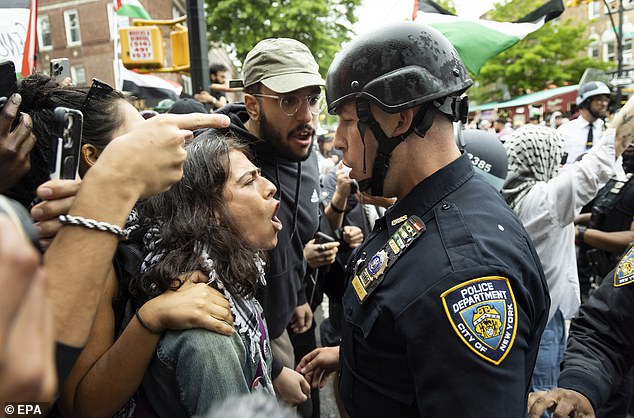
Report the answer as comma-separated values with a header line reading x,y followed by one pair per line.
x,y
193,370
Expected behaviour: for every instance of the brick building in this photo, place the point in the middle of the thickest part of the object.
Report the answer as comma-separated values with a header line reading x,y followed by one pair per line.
x,y
85,30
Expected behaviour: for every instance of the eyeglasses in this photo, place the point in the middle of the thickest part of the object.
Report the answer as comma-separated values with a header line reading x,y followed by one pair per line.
x,y
97,88
290,103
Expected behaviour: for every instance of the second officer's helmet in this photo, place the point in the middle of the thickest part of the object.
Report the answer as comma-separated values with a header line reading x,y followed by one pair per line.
x,y
591,89
397,67
487,154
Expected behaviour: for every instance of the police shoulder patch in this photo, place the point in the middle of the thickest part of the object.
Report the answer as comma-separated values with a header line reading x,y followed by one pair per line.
x,y
483,313
624,273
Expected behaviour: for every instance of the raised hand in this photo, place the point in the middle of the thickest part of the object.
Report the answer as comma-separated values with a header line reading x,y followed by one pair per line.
x,y
149,158
624,124
15,145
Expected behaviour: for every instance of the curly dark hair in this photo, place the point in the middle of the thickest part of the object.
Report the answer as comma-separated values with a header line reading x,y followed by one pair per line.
x,y
192,218
40,96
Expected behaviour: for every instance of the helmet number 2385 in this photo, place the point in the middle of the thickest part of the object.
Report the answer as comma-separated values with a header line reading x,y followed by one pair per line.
x,y
481,164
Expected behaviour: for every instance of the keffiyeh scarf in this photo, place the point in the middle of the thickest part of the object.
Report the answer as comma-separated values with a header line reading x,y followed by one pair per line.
x,y
534,154
246,311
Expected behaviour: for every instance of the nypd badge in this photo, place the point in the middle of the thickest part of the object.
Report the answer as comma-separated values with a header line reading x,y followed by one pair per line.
x,y
624,273
482,311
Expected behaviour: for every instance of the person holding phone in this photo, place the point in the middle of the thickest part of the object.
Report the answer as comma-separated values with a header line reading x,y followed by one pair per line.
x,y
16,139
83,282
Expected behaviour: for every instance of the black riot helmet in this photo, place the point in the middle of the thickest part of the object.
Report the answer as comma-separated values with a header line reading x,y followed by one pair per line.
x,y
398,67
487,154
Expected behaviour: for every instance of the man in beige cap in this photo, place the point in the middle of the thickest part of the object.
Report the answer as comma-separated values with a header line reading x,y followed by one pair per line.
x,y
282,89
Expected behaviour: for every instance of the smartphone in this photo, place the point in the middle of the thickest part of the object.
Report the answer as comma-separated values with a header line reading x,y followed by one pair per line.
x,y
66,143
236,84
8,81
321,238
60,68
354,187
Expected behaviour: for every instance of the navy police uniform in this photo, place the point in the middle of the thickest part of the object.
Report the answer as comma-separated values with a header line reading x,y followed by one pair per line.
x,y
445,309
612,210
601,344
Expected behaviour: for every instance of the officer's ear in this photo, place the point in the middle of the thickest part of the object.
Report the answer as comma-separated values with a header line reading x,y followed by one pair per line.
x,y
393,124
253,106
403,121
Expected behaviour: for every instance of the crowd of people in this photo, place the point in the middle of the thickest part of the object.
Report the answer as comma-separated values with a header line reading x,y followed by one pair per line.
x,y
179,273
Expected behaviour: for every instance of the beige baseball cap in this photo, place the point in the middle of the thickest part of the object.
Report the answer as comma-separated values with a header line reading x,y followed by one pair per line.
x,y
281,64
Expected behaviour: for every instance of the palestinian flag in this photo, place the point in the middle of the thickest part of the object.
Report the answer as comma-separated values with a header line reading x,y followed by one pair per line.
x,y
477,41
17,34
131,8
148,86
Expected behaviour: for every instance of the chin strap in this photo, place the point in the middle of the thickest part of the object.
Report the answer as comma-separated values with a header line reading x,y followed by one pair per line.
x,y
455,106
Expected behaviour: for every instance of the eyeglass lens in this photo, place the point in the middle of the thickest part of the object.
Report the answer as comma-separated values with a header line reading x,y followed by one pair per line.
x,y
290,104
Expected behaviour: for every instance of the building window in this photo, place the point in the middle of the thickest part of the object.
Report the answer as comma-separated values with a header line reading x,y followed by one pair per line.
x,y
609,52
593,50
78,75
71,20
594,9
627,51
44,33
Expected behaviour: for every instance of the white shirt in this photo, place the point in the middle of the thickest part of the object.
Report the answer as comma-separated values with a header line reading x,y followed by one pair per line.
x,y
576,134
548,212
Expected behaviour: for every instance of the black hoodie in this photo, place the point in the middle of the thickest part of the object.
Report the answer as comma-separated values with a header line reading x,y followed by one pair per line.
x,y
299,213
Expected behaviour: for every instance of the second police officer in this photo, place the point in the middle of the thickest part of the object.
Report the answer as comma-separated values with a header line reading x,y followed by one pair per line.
x,y
446,300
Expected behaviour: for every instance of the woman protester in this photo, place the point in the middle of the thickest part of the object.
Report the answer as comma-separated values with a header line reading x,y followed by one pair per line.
x,y
218,219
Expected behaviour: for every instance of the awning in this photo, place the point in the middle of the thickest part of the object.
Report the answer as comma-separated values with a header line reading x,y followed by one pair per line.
x,y
526,99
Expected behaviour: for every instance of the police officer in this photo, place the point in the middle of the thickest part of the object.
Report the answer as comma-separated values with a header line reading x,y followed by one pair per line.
x,y
605,232
599,352
446,300
585,131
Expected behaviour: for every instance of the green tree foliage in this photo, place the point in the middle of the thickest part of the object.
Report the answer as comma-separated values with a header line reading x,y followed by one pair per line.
x,y
545,57
323,25
448,5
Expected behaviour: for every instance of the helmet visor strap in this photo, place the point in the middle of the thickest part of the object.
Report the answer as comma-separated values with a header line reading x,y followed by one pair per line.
x,y
420,124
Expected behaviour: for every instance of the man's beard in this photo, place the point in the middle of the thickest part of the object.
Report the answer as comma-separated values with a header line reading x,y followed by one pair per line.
x,y
279,144
598,114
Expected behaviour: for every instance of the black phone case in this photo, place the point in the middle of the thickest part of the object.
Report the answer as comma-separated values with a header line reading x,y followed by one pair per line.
x,y
8,81
321,238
